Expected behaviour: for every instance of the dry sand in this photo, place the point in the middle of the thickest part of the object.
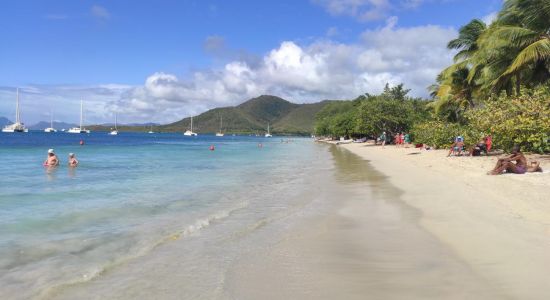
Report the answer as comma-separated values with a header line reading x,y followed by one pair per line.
x,y
498,225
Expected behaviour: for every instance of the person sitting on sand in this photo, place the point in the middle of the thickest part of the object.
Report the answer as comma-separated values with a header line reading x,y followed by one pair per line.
x,y
457,147
52,160
534,167
480,147
73,162
506,163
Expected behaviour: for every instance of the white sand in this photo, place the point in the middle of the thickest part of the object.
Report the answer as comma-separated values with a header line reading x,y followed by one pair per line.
x,y
498,225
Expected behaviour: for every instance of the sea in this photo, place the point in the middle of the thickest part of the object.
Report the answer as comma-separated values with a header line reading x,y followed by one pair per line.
x,y
134,194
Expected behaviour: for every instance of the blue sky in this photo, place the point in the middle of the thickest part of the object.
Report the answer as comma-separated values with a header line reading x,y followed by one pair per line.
x,y
162,60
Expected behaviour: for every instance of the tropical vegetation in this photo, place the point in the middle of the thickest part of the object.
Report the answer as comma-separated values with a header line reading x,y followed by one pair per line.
x,y
498,84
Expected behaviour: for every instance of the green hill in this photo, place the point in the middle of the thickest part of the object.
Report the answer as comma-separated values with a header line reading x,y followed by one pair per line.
x,y
252,116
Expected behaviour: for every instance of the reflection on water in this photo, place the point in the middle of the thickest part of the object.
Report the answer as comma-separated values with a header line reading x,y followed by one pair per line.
x,y
51,173
72,172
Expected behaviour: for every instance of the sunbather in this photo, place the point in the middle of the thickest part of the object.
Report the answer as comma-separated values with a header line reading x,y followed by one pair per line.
x,y
457,147
534,167
506,163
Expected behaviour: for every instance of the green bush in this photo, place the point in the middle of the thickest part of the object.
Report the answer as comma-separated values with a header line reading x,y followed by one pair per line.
x,y
521,120
441,134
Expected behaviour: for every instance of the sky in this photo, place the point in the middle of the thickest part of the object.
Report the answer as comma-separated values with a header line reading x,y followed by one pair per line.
x,y
162,60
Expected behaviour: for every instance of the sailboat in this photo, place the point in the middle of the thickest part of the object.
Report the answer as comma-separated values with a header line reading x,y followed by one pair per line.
x,y
190,132
79,129
220,133
50,129
151,130
268,134
114,132
17,126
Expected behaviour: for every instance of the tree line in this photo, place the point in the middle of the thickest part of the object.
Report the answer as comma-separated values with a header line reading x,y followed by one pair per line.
x,y
498,84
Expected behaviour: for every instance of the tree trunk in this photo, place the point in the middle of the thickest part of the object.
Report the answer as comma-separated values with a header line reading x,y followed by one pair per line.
x,y
518,84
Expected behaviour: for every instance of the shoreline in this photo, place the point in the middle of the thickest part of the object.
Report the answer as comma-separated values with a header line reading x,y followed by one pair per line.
x,y
389,228
498,225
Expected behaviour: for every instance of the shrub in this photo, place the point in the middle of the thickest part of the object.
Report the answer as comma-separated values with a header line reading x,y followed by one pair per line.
x,y
523,120
441,134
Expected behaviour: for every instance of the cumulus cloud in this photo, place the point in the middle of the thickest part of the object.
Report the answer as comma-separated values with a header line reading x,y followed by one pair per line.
x,y
310,72
302,73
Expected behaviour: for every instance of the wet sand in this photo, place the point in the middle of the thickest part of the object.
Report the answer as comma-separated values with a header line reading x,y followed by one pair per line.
x,y
369,246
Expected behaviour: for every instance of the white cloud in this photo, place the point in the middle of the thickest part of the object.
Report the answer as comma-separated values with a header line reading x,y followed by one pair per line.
x,y
323,69
490,18
364,10
100,12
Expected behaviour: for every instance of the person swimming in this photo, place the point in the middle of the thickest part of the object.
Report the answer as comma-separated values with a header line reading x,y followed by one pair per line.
x,y
51,160
73,162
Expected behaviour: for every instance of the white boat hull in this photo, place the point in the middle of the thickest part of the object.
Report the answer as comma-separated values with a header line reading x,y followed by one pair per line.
x,y
50,130
114,132
78,130
219,134
17,127
189,133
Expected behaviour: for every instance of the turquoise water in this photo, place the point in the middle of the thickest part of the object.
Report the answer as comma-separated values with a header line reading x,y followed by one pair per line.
x,y
130,193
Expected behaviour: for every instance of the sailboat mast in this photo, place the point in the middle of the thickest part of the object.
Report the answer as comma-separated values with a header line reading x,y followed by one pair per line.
x,y
221,121
115,121
191,123
17,114
51,119
81,112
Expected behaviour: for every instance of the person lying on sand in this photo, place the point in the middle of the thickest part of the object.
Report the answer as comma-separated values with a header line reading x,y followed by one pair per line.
x,y
73,162
534,167
506,163
52,160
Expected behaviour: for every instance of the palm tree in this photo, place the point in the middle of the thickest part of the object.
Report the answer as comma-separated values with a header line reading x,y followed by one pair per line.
x,y
524,25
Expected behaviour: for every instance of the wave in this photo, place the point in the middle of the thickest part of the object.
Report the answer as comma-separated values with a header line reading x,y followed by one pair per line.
x,y
98,271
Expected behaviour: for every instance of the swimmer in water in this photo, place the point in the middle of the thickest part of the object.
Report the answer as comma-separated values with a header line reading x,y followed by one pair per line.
x,y
52,160
73,162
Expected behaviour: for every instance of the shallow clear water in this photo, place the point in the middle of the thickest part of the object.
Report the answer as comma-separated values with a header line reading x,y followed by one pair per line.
x,y
130,193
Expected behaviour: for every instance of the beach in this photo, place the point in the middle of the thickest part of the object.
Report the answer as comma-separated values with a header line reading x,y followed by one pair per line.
x,y
302,220
498,225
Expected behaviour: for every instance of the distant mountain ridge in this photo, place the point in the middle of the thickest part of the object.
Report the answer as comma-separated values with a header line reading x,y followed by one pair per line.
x,y
4,121
253,116
250,117
57,125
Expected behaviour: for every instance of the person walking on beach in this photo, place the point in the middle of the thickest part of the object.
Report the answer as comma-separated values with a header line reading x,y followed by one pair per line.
x,y
407,139
383,138
402,139
51,160
506,163
73,162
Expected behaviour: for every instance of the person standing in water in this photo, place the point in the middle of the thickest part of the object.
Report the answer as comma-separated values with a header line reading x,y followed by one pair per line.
x,y
73,162
52,160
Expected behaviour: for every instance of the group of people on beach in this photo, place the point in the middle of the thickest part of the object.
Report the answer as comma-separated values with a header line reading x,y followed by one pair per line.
x,y
400,139
53,161
484,145
515,163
